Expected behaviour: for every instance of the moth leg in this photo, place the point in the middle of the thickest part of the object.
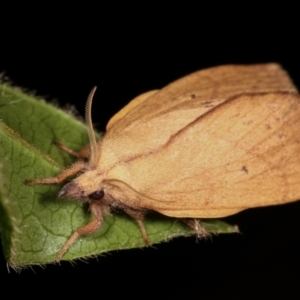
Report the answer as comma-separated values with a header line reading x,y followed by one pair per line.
x,y
83,153
87,229
138,216
74,169
196,225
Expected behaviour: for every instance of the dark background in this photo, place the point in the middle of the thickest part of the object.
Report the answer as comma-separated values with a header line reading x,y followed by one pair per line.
x,y
62,54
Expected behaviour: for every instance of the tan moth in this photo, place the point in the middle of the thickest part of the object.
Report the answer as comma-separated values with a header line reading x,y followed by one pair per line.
x,y
208,145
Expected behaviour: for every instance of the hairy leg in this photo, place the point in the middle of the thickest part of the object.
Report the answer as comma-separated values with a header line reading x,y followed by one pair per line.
x,y
90,228
83,153
138,216
74,169
197,226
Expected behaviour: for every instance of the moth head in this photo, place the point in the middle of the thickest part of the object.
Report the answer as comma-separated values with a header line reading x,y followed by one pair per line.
x,y
86,187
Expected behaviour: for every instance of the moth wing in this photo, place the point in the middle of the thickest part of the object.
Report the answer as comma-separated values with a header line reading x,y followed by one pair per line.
x,y
148,122
243,153
205,88
130,106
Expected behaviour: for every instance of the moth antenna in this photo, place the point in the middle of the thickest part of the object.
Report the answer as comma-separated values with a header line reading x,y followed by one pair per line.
x,y
88,121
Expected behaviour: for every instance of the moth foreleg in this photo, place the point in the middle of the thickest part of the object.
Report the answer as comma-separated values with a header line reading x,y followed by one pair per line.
x,y
87,229
83,153
74,169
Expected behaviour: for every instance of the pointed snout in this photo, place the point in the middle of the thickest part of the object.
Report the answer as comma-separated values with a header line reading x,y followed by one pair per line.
x,y
70,190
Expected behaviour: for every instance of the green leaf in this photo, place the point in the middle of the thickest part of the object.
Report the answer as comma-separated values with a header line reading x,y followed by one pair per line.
x,y
34,223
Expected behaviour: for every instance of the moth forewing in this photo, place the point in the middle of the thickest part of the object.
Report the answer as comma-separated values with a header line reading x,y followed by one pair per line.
x,y
206,88
243,153
130,106
149,125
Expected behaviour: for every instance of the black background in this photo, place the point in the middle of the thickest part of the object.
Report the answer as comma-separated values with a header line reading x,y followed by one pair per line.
x,y
62,54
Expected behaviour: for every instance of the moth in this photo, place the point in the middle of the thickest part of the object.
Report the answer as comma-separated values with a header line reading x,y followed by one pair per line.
x,y
208,145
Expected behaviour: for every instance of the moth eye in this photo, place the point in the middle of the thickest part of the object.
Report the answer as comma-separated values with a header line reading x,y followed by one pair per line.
x,y
98,195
